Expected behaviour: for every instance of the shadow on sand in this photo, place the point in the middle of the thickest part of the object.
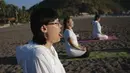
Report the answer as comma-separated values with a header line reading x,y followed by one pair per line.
x,y
8,61
115,50
13,61
64,56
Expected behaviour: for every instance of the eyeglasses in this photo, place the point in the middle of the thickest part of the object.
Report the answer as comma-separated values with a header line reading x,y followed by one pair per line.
x,y
53,23
56,21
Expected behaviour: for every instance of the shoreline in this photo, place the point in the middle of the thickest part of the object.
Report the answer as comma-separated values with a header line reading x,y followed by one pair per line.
x,y
91,16
8,25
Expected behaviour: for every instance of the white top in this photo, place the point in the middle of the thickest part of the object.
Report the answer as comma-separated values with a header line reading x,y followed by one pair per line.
x,y
96,29
34,58
71,51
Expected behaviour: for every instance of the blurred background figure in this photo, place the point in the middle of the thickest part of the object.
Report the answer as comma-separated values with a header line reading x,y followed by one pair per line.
x,y
72,46
97,29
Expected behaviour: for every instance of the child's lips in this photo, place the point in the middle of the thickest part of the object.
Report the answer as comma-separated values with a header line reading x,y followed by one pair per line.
x,y
60,35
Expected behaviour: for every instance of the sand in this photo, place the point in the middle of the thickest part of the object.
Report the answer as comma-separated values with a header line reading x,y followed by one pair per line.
x,y
13,36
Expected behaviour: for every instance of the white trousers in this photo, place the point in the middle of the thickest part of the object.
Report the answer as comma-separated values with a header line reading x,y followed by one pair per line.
x,y
76,53
100,37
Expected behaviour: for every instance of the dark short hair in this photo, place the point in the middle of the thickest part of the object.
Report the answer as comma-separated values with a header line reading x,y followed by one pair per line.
x,y
97,16
38,18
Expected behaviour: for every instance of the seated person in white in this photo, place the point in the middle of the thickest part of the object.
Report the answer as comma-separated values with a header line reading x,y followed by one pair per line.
x,y
71,44
39,55
97,29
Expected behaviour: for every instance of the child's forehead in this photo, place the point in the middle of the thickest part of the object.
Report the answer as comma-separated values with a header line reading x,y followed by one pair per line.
x,y
56,20
70,19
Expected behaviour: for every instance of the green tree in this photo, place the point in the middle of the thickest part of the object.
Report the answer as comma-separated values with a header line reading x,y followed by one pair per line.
x,y
74,7
2,9
23,15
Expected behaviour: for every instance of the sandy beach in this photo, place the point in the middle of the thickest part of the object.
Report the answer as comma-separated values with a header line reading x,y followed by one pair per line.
x,y
115,57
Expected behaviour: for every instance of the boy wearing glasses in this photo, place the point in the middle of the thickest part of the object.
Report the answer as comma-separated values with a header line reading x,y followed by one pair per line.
x,y
39,55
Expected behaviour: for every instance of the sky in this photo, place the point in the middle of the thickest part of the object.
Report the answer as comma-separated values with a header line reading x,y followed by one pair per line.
x,y
20,3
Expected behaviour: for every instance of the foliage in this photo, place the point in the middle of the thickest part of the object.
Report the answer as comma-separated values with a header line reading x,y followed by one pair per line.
x,y
8,11
75,7
65,7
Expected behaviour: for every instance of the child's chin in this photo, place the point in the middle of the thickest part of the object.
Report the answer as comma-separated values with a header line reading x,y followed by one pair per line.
x,y
57,41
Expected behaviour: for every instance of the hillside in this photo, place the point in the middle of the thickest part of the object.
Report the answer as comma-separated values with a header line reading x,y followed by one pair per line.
x,y
75,7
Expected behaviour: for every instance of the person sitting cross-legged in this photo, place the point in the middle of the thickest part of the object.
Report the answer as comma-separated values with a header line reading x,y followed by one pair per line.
x,y
72,46
97,29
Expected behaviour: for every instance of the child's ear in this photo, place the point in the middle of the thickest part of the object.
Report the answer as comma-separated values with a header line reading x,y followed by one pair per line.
x,y
44,28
